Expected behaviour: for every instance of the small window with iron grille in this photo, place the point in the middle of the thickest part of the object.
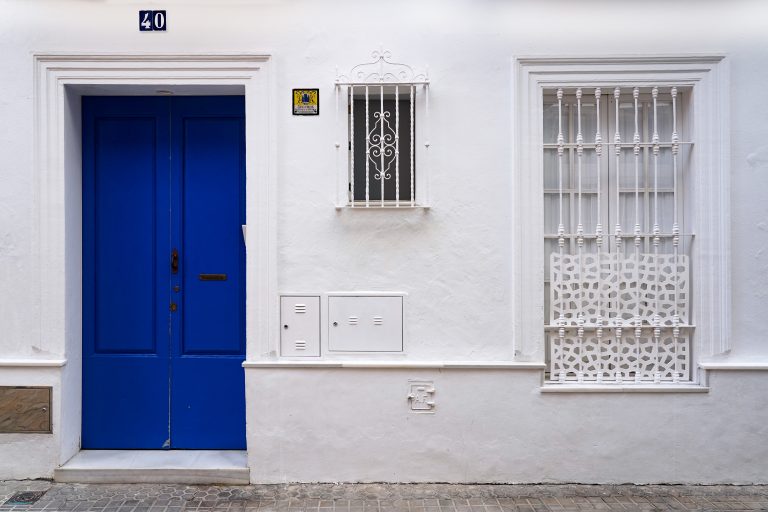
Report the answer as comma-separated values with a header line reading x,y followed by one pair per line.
x,y
382,99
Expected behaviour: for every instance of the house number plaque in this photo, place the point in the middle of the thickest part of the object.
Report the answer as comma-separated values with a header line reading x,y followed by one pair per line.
x,y
152,21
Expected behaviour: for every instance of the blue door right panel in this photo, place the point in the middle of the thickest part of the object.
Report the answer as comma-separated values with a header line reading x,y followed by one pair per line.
x,y
208,381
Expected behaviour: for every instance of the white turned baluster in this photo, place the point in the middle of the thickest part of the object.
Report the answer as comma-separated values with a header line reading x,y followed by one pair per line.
x,y
619,321
580,237
656,236
599,242
367,153
637,320
560,229
397,146
675,238
351,103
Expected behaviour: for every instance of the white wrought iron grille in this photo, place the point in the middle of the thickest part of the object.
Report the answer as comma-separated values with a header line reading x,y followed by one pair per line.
x,y
618,302
381,98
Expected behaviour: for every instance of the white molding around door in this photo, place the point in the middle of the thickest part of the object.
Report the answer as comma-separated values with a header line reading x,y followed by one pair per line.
x,y
59,82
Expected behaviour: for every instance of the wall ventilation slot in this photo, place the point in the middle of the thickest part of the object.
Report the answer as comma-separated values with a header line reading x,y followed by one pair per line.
x,y
300,308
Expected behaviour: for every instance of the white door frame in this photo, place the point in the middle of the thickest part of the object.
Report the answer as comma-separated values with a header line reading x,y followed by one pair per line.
x,y
60,80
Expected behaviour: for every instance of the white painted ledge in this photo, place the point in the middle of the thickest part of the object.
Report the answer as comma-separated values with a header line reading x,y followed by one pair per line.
x,y
623,388
734,365
31,363
377,206
458,365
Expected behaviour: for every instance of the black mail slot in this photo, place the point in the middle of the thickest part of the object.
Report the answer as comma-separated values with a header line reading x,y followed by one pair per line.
x,y
213,277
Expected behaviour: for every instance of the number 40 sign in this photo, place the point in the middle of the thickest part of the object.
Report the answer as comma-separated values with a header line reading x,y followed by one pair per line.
x,y
152,20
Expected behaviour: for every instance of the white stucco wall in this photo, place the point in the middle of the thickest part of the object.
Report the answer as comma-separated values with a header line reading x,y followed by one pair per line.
x,y
453,261
495,426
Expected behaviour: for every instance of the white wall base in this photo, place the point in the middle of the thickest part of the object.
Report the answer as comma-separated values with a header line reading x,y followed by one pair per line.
x,y
350,425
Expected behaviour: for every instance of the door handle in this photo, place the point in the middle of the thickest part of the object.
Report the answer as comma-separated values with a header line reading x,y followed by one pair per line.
x,y
175,261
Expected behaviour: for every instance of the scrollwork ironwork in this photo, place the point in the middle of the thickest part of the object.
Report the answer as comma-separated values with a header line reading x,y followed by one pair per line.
x,y
382,70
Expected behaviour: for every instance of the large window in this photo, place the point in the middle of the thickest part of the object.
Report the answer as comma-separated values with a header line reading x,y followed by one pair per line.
x,y
616,248
621,242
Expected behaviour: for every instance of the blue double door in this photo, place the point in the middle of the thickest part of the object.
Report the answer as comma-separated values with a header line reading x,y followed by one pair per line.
x,y
163,272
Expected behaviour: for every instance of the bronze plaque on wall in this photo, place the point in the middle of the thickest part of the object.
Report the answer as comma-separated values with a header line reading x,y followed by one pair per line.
x,y
25,410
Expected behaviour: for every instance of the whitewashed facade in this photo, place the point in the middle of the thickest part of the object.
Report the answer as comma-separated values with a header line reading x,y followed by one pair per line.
x,y
464,255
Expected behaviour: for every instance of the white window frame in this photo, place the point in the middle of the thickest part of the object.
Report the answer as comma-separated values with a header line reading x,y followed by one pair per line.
x,y
709,124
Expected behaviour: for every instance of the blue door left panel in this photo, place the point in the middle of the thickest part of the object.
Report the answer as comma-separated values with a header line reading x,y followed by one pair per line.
x,y
126,224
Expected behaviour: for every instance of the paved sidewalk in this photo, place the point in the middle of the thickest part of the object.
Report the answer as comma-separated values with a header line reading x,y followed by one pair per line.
x,y
381,497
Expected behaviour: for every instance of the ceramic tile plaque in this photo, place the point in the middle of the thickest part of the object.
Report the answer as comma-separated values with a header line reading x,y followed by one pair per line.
x,y
306,102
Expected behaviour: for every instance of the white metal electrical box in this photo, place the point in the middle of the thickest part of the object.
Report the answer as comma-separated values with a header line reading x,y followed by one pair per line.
x,y
300,326
365,323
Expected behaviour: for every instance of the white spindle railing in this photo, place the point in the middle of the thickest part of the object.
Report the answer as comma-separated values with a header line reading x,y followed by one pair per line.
x,y
560,226
636,151
675,235
599,237
619,317
648,292
380,81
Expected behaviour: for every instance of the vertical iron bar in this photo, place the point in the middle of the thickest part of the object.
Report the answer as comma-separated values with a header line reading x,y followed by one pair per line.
x,y
367,152
580,238
636,279
560,232
675,239
413,195
397,146
656,232
427,142
337,128
382,171
619,321
351,104
599,241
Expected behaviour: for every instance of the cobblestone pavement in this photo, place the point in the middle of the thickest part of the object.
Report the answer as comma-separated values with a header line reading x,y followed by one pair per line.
x,y
381,497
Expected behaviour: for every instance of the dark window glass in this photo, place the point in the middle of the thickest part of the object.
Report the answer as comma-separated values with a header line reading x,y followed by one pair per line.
x,y
374,163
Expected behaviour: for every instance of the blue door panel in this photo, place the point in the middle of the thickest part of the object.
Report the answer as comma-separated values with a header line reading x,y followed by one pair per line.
x,y
207,389
125,267
125,344
162,174
213,241
122,407
208,403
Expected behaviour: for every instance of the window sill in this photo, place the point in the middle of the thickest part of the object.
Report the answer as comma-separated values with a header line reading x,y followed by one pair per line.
x,y
623,388
439,365
378,206
32,362
734,365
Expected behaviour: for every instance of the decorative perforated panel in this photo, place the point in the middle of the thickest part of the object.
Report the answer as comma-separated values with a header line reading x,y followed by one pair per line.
x,y
627,358
620,287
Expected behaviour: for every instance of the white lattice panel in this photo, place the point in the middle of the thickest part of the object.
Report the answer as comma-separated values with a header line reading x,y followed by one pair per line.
x,y
608,356
620,286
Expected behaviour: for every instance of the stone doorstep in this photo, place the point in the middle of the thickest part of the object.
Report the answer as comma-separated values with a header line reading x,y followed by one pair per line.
x,y
164,467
